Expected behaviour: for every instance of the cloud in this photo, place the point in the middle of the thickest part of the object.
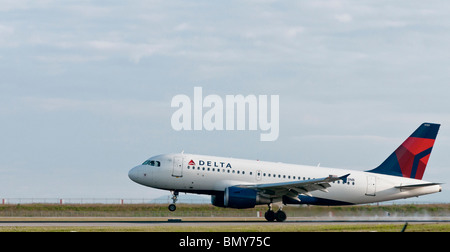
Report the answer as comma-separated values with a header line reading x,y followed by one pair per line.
x,y
292,32
110,107
89,10
96,50
6,33
69,58
134,51
182,27
6,30
12,5
327,4
344,18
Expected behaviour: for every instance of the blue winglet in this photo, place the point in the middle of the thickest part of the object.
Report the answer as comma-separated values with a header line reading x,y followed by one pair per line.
x,y
344,178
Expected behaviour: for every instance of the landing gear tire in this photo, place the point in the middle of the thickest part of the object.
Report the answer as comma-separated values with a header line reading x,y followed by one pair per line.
x,y
280,216
172,207
270,216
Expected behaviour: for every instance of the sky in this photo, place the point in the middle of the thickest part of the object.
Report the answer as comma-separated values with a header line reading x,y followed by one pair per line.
x,y
86,86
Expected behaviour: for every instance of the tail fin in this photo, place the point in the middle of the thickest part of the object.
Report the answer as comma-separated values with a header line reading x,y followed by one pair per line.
x,y
410,159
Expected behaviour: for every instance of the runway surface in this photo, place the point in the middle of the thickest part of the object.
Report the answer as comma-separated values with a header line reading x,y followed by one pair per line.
x,y
136,222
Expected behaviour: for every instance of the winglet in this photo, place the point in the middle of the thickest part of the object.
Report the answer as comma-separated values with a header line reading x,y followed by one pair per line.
x,y
332,178
344,178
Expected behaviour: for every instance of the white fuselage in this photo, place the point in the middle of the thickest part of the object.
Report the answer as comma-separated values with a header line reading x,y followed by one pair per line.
x,y
209,175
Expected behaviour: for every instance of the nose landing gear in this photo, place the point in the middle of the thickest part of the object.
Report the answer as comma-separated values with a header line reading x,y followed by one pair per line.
x,y
173,207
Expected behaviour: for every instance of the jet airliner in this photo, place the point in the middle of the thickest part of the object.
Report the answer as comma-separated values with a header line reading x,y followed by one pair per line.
x,y
239,183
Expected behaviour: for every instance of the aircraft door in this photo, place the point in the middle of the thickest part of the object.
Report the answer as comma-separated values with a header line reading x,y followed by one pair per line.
x,y
371,186
177,167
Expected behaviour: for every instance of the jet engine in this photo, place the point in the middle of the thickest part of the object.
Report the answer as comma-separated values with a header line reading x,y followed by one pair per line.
x,y
236,197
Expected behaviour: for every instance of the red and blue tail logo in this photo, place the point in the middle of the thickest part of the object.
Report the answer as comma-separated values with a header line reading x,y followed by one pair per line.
x,y
410,159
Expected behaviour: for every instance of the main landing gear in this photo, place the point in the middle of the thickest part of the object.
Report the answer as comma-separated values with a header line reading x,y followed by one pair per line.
x,y
271,216
173,207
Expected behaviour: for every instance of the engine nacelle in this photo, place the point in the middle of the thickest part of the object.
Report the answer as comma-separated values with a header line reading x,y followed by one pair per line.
x,y
235,197
217,200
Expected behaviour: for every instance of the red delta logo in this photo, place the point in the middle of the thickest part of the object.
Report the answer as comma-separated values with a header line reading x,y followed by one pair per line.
x,y
191,162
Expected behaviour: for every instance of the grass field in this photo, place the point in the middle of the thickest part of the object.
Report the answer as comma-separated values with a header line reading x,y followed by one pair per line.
x,y
196,210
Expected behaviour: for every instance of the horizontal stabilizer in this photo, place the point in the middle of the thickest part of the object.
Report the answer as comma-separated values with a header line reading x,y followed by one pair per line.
x,y
416,185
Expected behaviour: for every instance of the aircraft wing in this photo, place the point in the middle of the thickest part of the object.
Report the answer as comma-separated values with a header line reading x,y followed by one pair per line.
x,y
294,188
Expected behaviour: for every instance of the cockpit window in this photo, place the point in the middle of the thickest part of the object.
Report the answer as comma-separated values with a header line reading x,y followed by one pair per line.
x,y
152,163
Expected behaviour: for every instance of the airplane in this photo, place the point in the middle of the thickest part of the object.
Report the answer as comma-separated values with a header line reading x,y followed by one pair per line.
x,y
240,184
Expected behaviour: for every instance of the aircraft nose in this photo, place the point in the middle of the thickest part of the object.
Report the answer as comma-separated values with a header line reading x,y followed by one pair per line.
x,y
141,174
133,174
